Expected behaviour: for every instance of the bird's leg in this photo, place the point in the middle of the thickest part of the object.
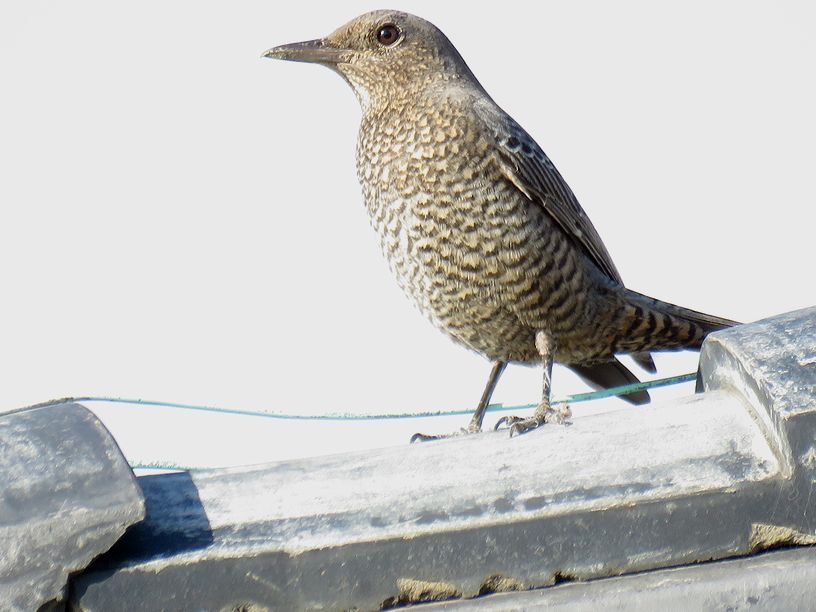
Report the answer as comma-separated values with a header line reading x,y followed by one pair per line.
x,y
475,425
545,343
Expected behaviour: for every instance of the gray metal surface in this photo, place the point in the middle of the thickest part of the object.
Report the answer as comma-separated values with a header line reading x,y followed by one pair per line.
x,y
703,477
783,581
66,495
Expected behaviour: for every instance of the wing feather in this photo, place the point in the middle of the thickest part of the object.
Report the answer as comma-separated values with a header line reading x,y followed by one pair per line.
x,y
531,171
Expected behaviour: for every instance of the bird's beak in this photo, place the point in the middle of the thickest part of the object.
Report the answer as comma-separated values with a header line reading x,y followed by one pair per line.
x,y
317,51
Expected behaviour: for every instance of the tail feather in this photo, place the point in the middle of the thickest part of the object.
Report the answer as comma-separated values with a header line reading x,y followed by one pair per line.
x,y
610,374
658,325
645,361
648,325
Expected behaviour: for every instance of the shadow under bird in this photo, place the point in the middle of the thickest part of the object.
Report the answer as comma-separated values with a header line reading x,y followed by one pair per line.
x,y
480,229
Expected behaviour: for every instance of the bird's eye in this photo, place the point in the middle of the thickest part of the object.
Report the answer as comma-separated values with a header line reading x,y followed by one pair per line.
x,y
388,34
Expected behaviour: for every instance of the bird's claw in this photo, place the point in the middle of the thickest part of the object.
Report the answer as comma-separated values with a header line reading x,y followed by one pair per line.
x,y
544,414
509,421
421,437
518,425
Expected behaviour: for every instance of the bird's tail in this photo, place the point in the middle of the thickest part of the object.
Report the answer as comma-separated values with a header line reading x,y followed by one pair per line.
x,y
646,324
654,325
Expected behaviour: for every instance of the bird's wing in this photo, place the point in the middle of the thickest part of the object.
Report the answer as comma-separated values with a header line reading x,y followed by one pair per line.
x,y
532,172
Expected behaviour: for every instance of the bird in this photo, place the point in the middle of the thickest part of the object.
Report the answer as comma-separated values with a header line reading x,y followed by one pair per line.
x,y
479,227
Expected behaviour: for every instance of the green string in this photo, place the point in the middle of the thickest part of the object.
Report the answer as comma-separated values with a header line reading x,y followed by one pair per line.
x,y
154,465
572,399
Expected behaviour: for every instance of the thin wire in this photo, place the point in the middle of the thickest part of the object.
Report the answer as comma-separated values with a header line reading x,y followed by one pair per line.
x,y
572,399
155,465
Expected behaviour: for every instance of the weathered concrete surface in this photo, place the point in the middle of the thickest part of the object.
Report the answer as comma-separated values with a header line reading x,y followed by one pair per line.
x,y
694,479
776,582
772,363
66,495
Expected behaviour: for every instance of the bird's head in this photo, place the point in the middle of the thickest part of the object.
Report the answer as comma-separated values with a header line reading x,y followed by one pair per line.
x,y
383,55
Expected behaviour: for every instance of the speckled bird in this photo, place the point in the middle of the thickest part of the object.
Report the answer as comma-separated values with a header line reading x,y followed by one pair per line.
x,y
480,229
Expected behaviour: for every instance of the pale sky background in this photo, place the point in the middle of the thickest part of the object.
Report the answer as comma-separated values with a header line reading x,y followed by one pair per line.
x,y
180,219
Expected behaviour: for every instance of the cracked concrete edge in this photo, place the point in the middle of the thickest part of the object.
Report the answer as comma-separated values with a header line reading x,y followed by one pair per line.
x,y
68,496
772,364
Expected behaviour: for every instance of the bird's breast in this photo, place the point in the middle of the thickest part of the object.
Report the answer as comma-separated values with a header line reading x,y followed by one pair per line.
x,y
431,198
461,240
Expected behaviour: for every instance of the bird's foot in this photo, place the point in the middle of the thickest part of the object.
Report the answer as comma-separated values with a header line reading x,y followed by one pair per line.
x,y
464,431
543,414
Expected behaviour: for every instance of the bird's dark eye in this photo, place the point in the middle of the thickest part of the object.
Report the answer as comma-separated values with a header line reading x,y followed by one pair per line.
x,y
388,34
